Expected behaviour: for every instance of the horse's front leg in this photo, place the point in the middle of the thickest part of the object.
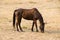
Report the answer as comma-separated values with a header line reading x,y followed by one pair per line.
x,y
32,26
36,25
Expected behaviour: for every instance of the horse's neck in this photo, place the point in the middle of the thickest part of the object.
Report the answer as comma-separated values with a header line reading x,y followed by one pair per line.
x,y
41,19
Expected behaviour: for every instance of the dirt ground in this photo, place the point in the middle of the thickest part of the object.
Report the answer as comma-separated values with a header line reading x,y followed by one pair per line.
x,y
50,10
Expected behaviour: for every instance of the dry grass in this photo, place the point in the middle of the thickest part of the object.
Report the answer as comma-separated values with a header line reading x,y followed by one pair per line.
x,y
50,10
31,2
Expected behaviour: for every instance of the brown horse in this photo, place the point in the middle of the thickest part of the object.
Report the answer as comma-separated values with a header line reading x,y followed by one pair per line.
x,y
28,14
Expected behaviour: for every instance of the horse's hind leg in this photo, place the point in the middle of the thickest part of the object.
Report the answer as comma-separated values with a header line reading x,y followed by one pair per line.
x,y
20,23
17,23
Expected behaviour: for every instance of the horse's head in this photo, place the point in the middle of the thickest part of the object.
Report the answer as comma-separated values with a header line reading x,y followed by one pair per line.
x,y
42,27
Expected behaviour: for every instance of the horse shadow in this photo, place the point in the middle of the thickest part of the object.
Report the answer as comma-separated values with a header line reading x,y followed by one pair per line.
x,y
53,31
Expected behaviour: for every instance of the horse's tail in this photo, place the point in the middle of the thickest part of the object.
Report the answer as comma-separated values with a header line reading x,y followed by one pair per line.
x,y
14,19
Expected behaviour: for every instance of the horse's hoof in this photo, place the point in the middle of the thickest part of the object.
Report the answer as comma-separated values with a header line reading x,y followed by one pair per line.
x,y
18,30
37,31
42,31
22,31
32,30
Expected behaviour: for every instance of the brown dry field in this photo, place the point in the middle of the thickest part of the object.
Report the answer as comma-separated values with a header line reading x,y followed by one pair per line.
x,y
50,10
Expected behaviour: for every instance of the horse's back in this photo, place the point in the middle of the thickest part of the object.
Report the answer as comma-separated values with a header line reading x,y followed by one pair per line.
x,y
29,14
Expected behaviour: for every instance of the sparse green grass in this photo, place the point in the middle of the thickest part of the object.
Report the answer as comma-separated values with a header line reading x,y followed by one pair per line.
x,y
24,27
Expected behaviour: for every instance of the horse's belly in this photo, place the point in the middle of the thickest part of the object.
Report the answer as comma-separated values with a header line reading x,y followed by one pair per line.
x,y
28,17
